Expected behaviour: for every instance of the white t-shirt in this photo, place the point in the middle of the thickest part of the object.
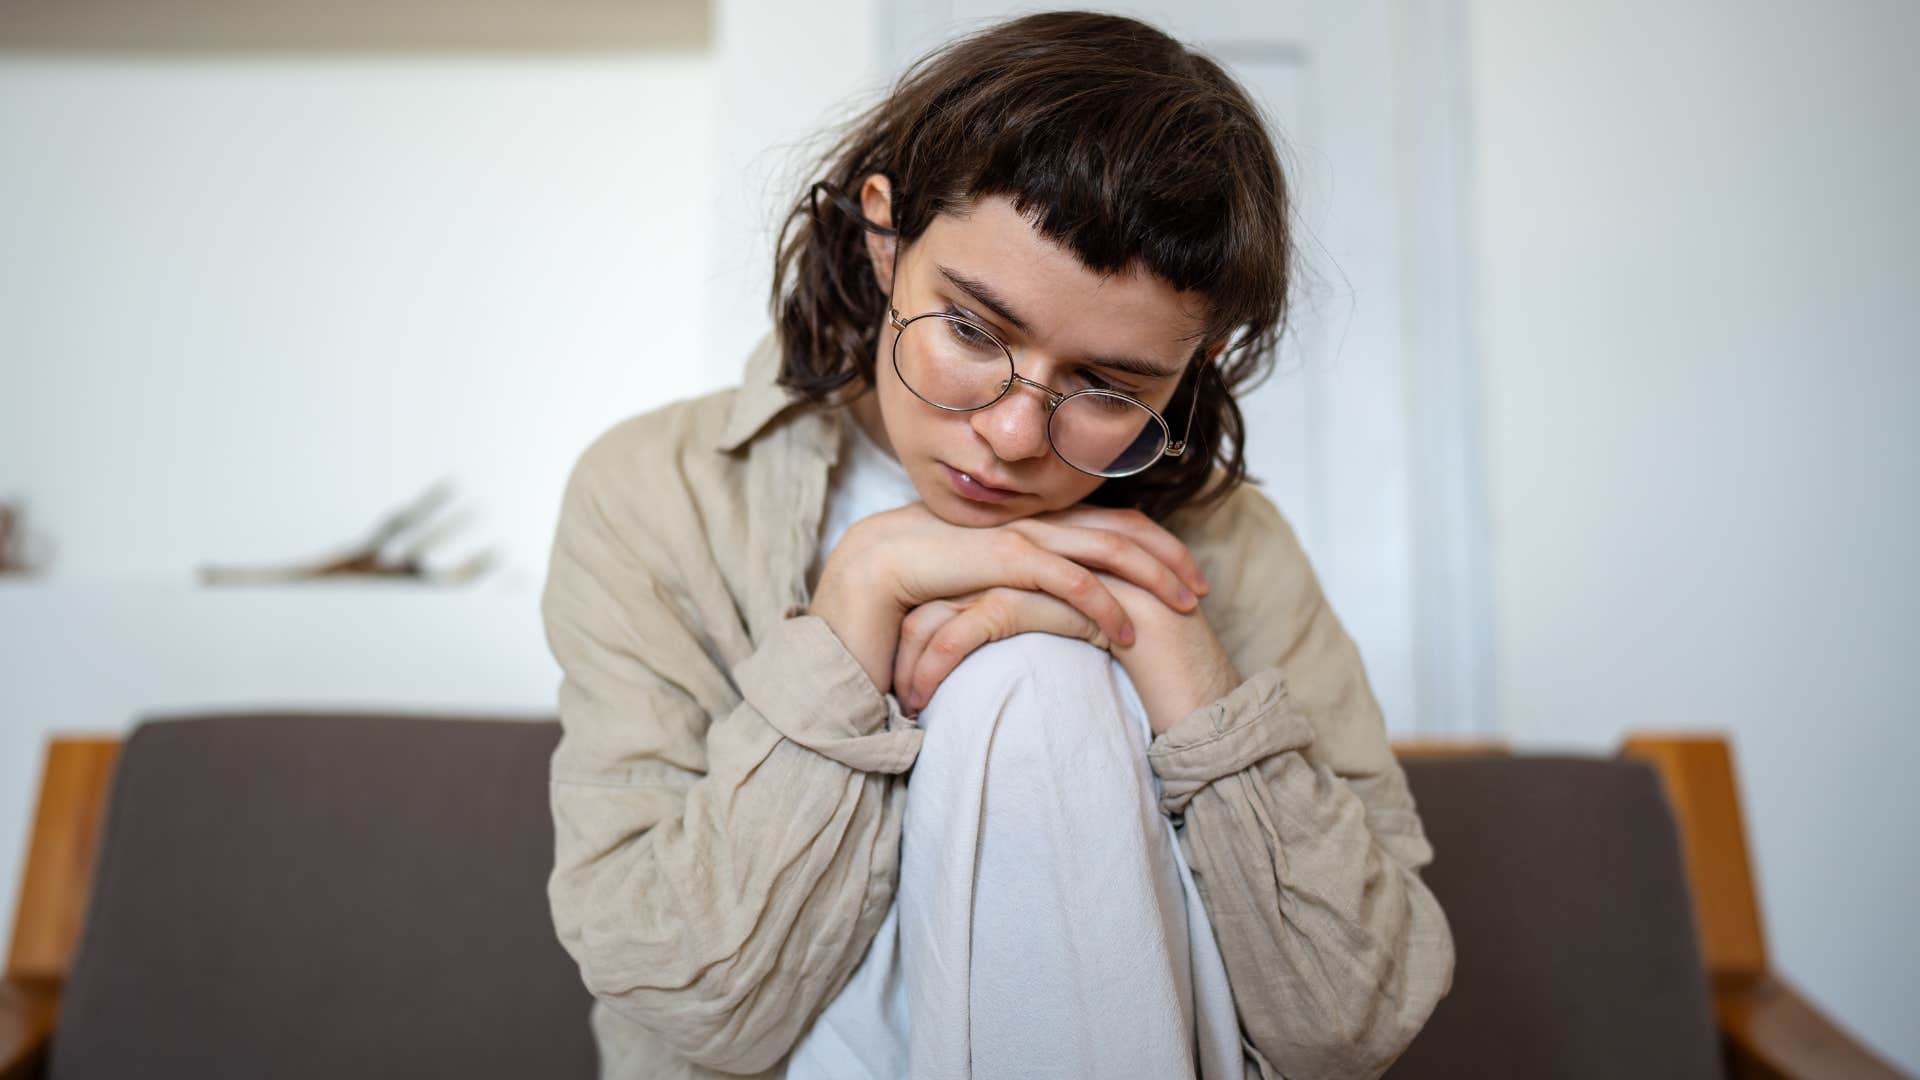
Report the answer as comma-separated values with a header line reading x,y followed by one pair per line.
x,y
865,481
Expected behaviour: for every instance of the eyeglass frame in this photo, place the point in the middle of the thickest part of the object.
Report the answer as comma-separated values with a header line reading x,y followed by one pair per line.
x,y
1169,448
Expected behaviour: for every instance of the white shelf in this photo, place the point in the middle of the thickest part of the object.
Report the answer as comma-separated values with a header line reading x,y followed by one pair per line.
x,y
95,654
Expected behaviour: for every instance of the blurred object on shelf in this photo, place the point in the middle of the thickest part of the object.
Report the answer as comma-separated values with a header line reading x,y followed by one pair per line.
x,y
19,555
397,549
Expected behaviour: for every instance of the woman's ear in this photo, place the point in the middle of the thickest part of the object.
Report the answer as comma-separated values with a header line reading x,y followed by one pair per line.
x,y
876,204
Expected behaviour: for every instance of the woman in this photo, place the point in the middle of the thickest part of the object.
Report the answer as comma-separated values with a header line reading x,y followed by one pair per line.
x,y
897,740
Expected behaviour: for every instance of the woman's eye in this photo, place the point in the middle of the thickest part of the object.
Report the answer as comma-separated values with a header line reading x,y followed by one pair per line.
x,y
1095,382
971,340
965,331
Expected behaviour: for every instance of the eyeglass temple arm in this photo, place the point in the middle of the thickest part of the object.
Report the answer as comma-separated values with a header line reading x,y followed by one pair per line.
x,y
1178,448
846,205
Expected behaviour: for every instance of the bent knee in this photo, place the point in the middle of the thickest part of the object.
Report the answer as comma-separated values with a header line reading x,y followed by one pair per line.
x,y
1028,682
1026,659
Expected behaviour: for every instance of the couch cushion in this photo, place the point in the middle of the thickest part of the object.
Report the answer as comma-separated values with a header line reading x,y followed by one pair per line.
x,y
325,896
1573,928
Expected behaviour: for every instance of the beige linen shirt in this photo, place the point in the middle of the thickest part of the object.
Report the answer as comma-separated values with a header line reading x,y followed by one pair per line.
x,y
728,788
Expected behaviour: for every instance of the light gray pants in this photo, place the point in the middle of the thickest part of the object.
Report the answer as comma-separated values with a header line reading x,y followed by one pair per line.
x,y
1045,922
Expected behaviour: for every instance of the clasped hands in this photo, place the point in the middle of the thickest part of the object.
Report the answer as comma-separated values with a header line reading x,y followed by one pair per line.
x,y
912,595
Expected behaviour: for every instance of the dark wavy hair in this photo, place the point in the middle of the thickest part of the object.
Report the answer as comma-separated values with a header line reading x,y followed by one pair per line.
x,y
1116,142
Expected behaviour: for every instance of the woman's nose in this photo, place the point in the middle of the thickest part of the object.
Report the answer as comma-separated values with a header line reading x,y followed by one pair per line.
x,y
1016,425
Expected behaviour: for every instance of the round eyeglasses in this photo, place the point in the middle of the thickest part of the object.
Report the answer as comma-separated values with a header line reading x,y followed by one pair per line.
x,y
955,364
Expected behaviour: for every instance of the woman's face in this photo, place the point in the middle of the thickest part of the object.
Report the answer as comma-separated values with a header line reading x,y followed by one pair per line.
x,y
1057,317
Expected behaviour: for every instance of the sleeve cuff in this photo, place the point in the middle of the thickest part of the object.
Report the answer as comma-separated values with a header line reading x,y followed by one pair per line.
x,y
802,679
1252,723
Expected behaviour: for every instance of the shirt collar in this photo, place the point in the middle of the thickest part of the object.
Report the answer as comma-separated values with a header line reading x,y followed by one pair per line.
x,y
759,397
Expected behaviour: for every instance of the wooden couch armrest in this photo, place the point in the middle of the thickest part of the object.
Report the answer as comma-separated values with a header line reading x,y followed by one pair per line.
x,y
53,897
28,1010
1769,1032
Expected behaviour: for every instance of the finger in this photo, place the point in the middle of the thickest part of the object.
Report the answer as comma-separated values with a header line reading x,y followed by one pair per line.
x,y
953,642
1000,614
1029,610
918,626
1115,552
1146,532
1035,567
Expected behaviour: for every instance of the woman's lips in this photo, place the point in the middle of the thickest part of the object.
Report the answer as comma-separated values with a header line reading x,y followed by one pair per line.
x,y
967,487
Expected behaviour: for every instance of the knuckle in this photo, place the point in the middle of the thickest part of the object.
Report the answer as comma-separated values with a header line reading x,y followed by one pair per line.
x,y
945,646
995,611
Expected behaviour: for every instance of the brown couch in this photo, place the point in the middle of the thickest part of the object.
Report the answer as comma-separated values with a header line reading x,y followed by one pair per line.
x,y
304,895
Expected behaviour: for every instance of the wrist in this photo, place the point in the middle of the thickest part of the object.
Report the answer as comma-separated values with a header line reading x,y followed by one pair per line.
x,y
1182,700
857,602
1177,669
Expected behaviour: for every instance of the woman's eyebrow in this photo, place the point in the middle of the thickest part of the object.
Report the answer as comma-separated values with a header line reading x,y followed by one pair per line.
x,y
986,294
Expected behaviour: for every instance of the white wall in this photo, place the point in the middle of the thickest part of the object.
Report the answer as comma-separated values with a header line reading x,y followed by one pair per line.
x,y
249,305
1698,281
246,306
253,297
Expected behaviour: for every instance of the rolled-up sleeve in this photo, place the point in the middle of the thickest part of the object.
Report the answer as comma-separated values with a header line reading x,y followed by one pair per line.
x,y
1305,843
726,837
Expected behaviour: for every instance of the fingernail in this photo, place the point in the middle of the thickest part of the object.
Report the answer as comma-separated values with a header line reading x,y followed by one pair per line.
x,y
1126,634
1187,597
1205,585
